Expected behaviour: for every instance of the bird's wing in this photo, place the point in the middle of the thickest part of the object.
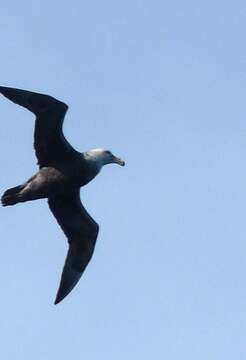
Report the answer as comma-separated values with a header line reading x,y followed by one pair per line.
x,y
81,231
49,142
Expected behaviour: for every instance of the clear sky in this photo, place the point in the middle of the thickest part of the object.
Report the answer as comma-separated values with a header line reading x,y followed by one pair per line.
x,y
162,85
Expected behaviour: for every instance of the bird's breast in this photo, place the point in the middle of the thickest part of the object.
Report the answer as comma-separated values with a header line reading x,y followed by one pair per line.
x,y
78,172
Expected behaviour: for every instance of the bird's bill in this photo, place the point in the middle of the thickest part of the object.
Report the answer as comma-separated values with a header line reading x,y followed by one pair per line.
x,y
119,161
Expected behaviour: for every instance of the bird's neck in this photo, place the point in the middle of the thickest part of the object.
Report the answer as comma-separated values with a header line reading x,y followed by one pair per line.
x,y
92,162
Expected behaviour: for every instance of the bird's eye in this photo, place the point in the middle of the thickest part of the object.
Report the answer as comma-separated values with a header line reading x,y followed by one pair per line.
x,y
108,152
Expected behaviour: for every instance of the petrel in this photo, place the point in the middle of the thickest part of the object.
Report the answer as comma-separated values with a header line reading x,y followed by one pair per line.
x,y
62,171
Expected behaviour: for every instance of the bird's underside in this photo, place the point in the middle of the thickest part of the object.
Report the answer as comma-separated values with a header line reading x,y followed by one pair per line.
x,y
53,181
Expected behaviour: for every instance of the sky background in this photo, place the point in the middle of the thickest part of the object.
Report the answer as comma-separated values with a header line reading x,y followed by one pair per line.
x,y
162,85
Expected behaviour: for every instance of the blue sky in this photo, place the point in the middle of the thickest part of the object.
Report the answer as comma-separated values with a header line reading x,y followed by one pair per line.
x,y
163,86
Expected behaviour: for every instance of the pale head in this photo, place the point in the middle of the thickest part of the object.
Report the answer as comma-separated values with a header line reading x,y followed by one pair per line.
x,y
103,157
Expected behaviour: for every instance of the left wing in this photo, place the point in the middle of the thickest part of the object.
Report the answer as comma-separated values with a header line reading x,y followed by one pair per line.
x,y
81,231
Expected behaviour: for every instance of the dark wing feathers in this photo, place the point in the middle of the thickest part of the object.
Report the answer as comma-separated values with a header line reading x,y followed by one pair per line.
x,y
49,142
51,147
81,231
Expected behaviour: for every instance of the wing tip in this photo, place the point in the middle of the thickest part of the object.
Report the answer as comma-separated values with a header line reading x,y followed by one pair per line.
x,y
57,300
69,279
61,294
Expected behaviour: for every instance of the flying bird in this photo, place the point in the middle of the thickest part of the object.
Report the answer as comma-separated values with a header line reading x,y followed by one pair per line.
x,y
62,171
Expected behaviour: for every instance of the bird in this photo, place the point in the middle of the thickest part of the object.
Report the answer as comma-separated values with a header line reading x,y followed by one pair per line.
x,y
62,172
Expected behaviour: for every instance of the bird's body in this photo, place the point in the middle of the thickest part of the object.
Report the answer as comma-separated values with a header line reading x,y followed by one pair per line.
x,y
63,170
51,181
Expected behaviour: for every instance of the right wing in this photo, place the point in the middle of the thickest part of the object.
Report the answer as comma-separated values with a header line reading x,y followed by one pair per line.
x,y
81,231
49,142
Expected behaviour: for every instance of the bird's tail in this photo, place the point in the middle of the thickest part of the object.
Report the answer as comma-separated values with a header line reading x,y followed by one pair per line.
x,y
12,196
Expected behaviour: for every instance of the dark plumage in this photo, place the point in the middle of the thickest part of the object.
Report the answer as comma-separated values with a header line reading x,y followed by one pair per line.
x,y
63,170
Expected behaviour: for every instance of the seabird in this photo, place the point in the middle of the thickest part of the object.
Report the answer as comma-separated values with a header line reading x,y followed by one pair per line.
x,y
62,171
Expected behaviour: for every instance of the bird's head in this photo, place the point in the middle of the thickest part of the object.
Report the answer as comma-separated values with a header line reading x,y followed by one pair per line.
x,y
103,157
